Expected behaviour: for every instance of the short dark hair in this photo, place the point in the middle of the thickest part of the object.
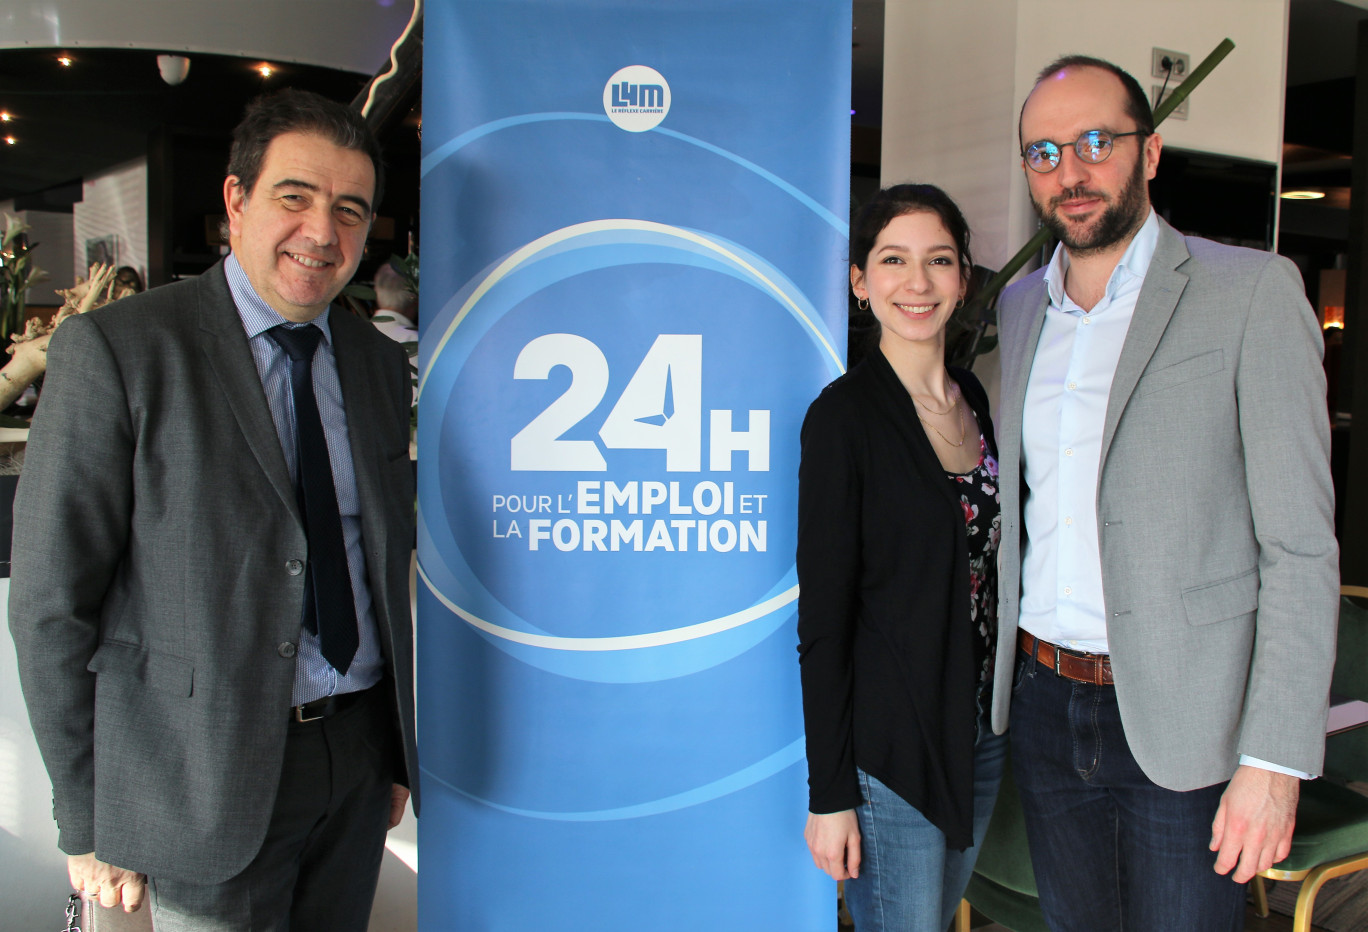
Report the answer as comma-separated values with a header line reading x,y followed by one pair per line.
x,y
290,110
901,199
1137,104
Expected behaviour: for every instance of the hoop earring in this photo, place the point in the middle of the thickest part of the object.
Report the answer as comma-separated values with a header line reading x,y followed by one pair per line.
x,y
959,304
862,303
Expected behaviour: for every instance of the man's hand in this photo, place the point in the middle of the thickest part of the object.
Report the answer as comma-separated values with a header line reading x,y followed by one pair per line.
x,y
114,886
1253,826
398,800
834,840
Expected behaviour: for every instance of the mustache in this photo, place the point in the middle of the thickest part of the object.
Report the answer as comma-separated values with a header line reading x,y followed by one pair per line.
x,y
1076,194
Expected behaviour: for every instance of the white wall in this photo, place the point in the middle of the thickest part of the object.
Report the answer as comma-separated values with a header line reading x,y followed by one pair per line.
x,y
949,105
113,202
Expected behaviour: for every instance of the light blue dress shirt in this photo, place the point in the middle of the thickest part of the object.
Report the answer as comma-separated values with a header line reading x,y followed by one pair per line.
x,y
1061,443
314,676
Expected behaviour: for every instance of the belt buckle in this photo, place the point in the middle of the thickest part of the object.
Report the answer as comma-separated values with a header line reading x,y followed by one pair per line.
x,y
299,713
1059,653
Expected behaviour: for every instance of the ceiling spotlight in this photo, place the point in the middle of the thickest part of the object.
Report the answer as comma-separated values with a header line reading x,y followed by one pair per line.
x,y
265,70
5,116
10,140
64,60
1302,195
173,68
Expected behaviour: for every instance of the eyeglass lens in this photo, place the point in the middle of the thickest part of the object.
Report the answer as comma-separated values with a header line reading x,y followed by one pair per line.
x,y
1093,146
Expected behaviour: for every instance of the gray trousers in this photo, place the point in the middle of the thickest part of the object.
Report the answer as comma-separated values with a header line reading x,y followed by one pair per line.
x,y
319,864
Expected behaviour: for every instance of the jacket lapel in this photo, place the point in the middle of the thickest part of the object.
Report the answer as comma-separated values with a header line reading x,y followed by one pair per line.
x,y
229,357
1017,372
1153,309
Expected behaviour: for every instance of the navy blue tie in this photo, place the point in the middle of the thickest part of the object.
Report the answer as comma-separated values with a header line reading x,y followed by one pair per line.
x,y
329,609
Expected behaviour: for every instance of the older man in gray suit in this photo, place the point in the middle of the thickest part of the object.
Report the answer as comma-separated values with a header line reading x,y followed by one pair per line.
x,y
1168,588
211,551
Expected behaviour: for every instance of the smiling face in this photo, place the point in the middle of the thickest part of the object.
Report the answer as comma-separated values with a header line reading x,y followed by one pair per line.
x,y
1090,207
300,234
913,279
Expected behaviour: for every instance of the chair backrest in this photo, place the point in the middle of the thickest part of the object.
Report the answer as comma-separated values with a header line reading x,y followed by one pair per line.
x,y
1004,856
1346,754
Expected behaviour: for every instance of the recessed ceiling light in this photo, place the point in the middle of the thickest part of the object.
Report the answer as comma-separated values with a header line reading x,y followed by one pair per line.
x,y
1302,195
10,140
5,116
265,70
64,61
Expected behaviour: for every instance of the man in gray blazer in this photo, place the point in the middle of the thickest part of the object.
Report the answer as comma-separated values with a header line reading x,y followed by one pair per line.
x,y
1169,566
218,669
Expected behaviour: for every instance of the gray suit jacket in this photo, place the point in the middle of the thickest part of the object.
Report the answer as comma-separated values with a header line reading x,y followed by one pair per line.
x,y
152,603
1215,513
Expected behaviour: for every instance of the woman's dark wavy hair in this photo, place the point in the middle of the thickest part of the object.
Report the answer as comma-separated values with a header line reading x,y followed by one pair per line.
x,y
294,111
901,199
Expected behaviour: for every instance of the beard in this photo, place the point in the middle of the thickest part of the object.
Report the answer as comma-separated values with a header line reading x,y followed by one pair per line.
x,y
1120,218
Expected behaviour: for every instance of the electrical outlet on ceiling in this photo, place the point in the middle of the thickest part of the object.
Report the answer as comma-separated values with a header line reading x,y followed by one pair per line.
x,y
1181,63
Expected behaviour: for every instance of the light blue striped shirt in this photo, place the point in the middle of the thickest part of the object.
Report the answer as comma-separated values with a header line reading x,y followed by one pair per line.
x,y
314,676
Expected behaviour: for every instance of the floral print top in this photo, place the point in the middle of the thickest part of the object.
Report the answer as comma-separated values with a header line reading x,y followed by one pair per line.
x,y
978,495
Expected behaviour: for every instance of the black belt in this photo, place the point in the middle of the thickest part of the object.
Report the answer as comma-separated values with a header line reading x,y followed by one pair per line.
x,y
326,707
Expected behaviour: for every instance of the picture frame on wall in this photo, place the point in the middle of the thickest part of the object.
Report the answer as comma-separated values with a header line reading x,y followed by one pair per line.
x,y
104,249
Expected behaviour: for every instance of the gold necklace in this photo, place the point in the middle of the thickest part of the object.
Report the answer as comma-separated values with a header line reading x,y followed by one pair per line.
x,y
964,428
954,400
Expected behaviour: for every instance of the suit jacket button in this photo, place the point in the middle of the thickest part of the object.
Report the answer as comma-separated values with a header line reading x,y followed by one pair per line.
x,y
294,567
286,650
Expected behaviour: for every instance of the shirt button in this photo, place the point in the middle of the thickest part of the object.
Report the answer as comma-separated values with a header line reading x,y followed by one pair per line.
x,y
286,649
1068,590
1068,451
1068,522
1072,386
294,567
1087,321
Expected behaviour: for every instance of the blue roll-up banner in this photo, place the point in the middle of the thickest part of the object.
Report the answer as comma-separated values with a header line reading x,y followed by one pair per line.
x,y
634,230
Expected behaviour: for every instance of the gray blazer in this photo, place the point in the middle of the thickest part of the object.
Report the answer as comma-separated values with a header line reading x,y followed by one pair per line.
x,y
152,601
1215,513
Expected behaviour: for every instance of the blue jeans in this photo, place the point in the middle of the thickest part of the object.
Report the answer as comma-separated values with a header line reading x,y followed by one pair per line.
x,y
909,881
1111,849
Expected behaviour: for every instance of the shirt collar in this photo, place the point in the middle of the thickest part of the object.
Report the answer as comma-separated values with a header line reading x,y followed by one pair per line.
x,y
1135,262
257,316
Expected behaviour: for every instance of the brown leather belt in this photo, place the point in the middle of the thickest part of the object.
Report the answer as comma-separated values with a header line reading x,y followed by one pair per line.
x,y
1084,668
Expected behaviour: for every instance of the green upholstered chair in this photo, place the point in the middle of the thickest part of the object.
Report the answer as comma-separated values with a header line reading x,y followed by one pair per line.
x,y
1003,886
1331,837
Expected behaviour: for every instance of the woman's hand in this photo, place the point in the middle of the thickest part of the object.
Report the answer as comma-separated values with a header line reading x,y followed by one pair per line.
x,y
834,840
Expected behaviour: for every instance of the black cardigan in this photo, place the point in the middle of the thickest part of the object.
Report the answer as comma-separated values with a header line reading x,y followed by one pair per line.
x,y
885,640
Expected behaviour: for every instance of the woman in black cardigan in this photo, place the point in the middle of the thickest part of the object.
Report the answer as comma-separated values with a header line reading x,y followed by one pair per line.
x,y
897,540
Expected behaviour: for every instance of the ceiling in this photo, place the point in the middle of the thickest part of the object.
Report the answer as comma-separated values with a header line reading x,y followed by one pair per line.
x,y
71,122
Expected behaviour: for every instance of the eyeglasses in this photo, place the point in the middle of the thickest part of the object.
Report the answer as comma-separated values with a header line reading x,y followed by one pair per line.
x,y
1093,146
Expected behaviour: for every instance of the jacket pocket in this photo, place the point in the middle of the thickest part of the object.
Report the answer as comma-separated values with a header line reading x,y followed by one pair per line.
x,y
154,668
1218,601
1180,373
